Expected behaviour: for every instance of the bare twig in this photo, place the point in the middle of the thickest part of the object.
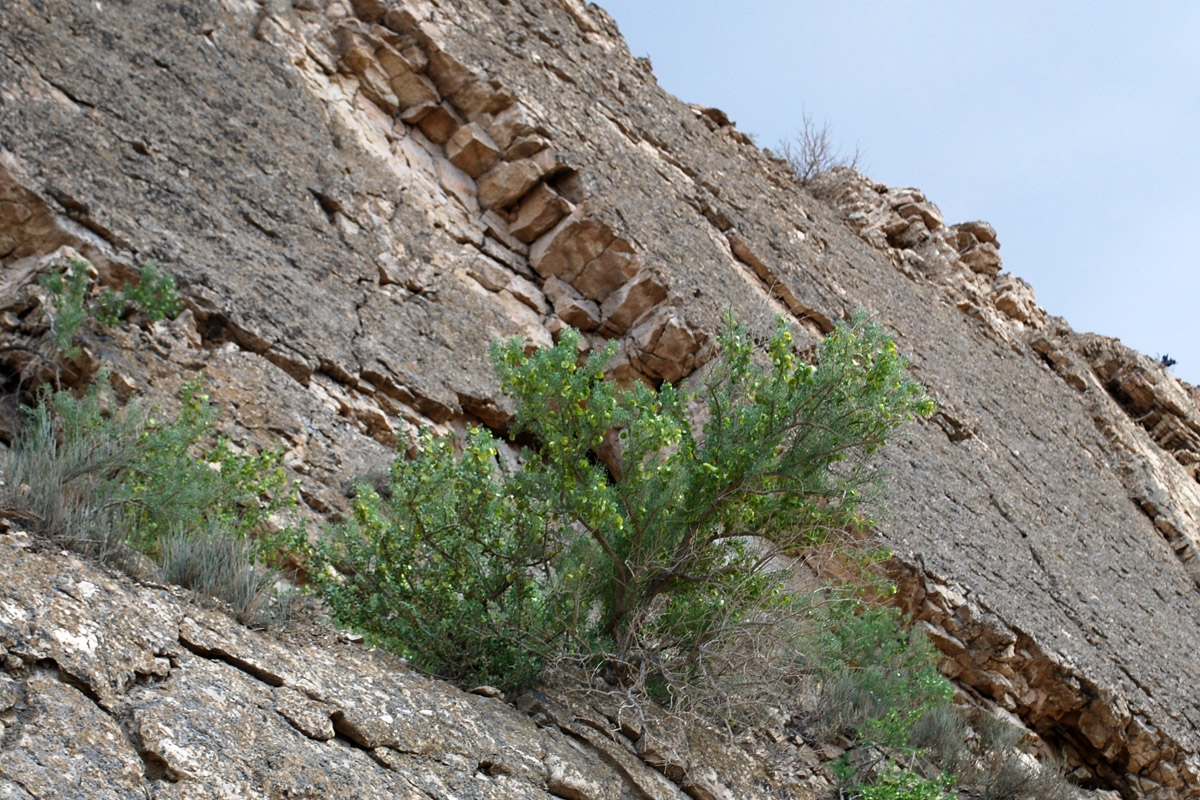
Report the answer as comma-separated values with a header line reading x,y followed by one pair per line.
x,y
811,152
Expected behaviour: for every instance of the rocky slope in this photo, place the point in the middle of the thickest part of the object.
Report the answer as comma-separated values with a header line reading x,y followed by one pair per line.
x,y
120,691
357,197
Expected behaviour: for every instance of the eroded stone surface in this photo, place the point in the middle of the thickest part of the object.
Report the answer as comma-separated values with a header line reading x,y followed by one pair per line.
x,y
227,712
291,165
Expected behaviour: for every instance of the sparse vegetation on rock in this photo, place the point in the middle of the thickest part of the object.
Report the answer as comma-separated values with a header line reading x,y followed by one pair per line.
x,y
666,567
314,175
73,300
135,487
811,152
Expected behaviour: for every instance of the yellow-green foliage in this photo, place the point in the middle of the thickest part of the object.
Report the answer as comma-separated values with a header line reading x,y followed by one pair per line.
x,y
479,569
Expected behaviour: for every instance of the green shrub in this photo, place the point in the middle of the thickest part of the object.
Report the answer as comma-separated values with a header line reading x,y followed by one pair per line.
x,y
879,680
186,477
880,686
68,290
114,482
896,783
451,568
72,304
480,570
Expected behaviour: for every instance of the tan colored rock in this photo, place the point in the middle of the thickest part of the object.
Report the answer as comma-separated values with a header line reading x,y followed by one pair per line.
x,y
507,182
377,65
566,781
438,122
28,226
459,184
400,18
472,150
1104,722
1143,745
525,147
567,248
498,228
411,116
446,70
913,234
497,249
480,95
665,347
539,211
369,10
410,87
926,211
508,125
604,274
528,293
374,82
982,231
1014,297
583,252
528,321
489,274
626,305
418,151
983,258
556,289
570,306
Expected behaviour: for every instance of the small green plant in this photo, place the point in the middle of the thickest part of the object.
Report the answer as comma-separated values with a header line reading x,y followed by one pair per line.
x,y
115,482
68,290
154,294
896,783
880,679
879,685
185,476
72,304
841,768
664,570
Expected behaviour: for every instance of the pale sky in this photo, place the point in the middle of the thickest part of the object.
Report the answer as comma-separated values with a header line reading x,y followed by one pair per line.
x,y
1072,127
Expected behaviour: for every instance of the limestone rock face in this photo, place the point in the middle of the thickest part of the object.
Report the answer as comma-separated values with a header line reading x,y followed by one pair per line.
x,y
112,690
963,259
356,198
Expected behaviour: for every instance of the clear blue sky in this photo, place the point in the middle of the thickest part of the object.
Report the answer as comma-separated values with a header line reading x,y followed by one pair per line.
x,y
1073,127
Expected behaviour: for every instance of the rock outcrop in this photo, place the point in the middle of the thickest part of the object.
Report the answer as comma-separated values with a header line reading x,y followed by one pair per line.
x,y
357,197
112,690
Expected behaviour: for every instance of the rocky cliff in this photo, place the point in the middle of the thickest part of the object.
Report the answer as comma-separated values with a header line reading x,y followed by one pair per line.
x,y
357,197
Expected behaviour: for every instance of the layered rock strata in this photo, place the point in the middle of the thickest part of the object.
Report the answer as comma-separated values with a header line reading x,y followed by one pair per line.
x,y
112,690
358,197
